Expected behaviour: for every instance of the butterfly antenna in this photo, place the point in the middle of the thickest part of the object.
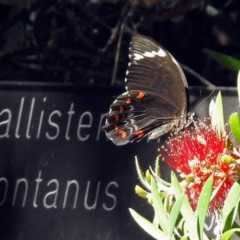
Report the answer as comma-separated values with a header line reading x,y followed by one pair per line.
x,y
205,99
197,75
193,116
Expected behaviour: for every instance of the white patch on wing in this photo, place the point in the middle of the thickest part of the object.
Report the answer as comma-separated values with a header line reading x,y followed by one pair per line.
x,y
137,56
152,54
149,54
161,53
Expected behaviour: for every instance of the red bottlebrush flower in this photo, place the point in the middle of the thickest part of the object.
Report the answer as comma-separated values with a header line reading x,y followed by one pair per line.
x,y
198,153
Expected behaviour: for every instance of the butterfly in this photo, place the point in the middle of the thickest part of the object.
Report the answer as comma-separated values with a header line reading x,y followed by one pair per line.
x,y
155,101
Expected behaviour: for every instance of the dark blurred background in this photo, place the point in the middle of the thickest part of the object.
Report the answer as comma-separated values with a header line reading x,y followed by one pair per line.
x,y
86,42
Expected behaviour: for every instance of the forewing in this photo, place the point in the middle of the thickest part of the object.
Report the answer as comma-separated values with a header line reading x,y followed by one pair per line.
x,y
153,69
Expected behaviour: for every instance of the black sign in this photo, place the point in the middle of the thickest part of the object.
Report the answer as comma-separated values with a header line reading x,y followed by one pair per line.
x,y
60,178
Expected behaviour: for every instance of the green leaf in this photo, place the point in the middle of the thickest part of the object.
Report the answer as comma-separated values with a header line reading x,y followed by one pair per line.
x,y
186,209
141,176
174,215
234,123
238,86
231,202
211,108
160,212
148,176
168,202
226,60
147,226
203,204
235,225
141,192
157,167
227,235
217,116
184,238
215,191
229,220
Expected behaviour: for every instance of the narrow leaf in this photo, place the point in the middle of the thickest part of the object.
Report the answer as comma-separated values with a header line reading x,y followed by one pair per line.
x,y
157,167
211,109
203,204
226,60
174,215
186,210
235,225
230,203
215,191
184,238
141,192
216,114
227,235
147,226
238,86
158,206
141,176
219,115
234,123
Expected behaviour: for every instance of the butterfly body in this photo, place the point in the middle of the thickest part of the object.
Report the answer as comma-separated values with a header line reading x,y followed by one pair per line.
x,y
155,102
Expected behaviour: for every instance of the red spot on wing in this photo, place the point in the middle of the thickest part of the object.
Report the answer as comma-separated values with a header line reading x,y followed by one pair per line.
x,y
116,127
123,133
116,117
121,109
139,134
128,101
140,95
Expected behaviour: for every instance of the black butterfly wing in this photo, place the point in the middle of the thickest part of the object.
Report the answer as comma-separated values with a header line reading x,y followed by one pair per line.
x,y
152,69
155,102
